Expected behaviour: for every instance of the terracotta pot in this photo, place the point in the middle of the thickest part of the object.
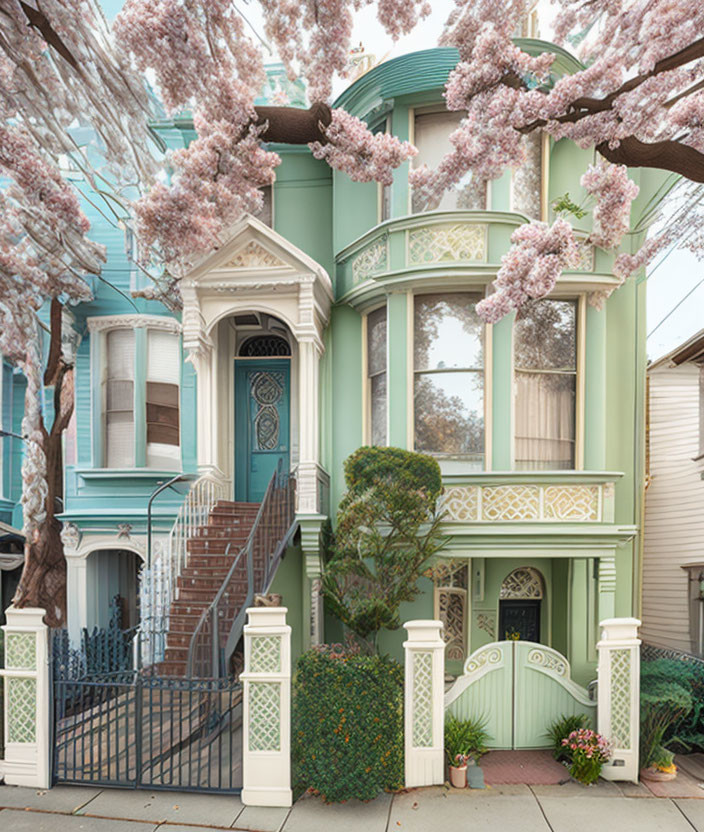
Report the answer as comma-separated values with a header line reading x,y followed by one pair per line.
x,y
655,775
458,776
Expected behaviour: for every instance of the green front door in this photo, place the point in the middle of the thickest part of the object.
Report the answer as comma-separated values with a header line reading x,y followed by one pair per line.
x,y
262,424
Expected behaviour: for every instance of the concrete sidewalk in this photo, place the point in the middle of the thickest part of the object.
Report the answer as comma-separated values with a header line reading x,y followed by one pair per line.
x,y
566,808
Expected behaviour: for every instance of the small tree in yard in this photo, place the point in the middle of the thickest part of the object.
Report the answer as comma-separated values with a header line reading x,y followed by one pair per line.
x,y
387,528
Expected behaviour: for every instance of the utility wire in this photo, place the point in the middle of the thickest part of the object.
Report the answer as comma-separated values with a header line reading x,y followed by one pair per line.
x,y
675,308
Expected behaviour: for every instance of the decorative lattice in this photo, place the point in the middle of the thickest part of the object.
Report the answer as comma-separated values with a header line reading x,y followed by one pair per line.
x,y
548,660
461,502
571,502
511,502
423,699
524,582
481,658
585,257
21,710
264,716
451,605
448,572
266,654
486,621
621,699
254,256
372,260
21,651
446,242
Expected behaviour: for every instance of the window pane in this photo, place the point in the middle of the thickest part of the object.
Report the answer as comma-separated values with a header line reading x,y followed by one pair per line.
x,y
378,390
119,395
432,138
545,335
119,440
120,353
448,333
163,357
376,341
545,421
449,413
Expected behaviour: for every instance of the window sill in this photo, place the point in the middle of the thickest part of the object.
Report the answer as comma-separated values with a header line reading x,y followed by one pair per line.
x,y
128,473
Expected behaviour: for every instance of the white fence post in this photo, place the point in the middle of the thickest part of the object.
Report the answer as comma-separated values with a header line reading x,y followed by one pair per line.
x,y
27,700
619,696
424,717
266,720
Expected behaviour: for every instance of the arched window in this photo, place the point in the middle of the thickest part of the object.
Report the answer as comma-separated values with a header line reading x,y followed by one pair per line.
x,y
523,583
262,346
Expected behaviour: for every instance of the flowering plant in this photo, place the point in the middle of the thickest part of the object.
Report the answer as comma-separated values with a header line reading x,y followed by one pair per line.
x,y
588,753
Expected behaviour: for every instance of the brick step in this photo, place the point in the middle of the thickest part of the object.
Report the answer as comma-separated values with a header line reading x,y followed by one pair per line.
x,y
231,532
221,546
236,505
183,624
209,581
190,595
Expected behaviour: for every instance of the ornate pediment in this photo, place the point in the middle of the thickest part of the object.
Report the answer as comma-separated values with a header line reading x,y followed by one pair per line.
x,y
254,256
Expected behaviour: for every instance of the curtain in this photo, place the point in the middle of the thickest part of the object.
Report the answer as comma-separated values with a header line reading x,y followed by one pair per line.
x,y
545,420
119,399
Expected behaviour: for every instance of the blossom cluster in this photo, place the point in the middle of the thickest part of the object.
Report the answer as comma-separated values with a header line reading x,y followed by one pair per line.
x,y
589,743
531,267
614,192
364,156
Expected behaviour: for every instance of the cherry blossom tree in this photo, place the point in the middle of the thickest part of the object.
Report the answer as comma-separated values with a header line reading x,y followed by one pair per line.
x,y
639,100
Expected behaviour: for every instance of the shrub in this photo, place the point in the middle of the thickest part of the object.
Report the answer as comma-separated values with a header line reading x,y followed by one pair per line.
x,y
562,728
588,752
368,466
464,739
386,531
685,682
347,724
663,705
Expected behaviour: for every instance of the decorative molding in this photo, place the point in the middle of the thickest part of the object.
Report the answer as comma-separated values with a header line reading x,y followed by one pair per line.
x,y
461,502
133,321
486,621
554,503
491,656
124,529
550,661
447,242
254,256
511,502
372,260
524,582
71,536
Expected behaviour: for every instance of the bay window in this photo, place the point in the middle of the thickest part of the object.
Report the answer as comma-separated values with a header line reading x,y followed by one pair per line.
x,y
376,375
139,396
545,360
448,357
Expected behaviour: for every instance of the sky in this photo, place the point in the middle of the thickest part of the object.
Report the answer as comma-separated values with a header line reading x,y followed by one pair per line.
x,y
667,284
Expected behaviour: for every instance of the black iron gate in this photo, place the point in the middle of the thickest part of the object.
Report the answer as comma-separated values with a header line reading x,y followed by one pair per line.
x,y
117,726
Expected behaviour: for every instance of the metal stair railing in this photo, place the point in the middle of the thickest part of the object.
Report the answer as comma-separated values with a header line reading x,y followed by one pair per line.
x,y
159,581
220,626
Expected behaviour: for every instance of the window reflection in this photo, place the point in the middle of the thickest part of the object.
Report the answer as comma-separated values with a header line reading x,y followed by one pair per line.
x,y
449,375
376,373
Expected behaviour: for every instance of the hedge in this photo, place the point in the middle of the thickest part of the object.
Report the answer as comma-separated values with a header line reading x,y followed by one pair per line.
x,y
347,724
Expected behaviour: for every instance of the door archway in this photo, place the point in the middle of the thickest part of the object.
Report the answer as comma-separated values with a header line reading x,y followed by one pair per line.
x,y
520,599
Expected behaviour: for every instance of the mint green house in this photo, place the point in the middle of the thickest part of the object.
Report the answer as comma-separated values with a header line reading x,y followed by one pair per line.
x,y
343,316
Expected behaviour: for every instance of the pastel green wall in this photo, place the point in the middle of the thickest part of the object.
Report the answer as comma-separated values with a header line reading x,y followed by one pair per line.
x,y
290,582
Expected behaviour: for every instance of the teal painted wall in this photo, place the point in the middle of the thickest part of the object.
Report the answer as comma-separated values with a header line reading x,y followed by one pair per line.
x,y
289,582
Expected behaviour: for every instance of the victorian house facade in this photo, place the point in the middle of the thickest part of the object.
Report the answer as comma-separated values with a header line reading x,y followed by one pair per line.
x,y
344,315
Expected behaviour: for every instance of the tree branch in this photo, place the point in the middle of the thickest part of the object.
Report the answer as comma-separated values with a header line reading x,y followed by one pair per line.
x,y
666,155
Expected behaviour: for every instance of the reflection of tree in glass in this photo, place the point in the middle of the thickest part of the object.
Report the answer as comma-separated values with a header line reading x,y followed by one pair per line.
x,y
545,335
443,424
431,312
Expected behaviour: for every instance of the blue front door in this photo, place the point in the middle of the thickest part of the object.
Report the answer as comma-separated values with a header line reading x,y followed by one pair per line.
x,y
262,424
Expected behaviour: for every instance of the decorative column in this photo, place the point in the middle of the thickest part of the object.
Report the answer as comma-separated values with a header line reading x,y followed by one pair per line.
x,y
27,700
424,710
398,310
619,696
266,722
309,351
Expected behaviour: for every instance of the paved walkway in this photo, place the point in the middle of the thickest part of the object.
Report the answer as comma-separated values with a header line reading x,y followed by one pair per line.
x,y
566,808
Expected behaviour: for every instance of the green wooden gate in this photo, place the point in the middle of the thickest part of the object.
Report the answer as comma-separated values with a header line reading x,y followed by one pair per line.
x,y
519,688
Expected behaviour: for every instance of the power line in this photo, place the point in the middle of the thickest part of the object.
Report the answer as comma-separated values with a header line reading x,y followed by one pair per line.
x,y
675,308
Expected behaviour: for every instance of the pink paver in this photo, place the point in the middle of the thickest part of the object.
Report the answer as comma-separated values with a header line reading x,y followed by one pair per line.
x,y
533,768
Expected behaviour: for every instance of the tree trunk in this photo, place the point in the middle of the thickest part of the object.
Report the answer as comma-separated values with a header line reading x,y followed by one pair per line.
x,y
43,580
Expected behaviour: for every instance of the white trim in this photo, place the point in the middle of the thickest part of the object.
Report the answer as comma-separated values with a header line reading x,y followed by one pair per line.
x,y
132,321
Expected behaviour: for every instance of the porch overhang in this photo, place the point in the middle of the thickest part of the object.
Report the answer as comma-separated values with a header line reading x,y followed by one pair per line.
x,y
574,540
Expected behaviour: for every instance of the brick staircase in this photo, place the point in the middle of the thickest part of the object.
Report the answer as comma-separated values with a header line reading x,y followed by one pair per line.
x,y
229,523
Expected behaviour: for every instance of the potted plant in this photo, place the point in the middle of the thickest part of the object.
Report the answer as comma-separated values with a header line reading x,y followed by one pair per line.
x,y
465,742
588,751
662,765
